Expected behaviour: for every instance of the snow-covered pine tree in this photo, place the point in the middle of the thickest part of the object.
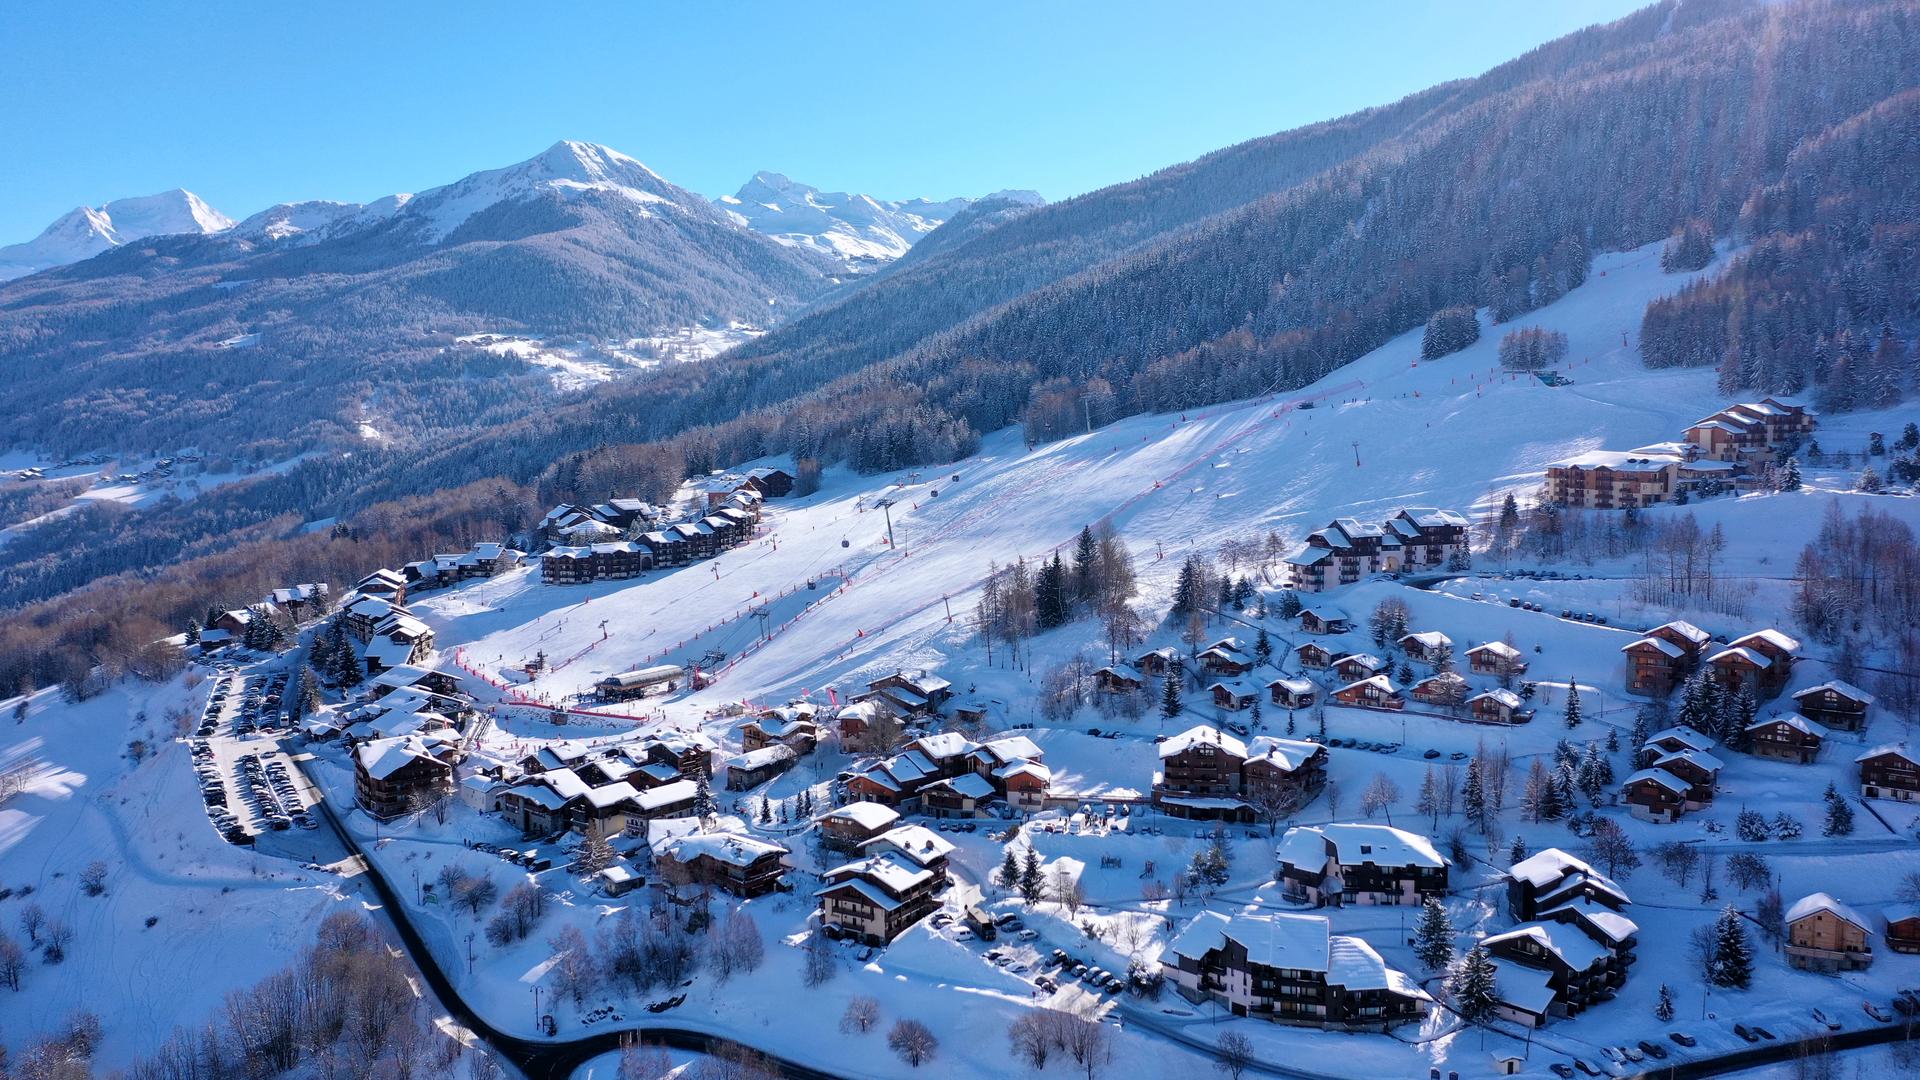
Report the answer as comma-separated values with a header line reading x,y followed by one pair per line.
x,y
1732,965
1009,869
1433,936
1473,987
1262,647
1839,819
1663,1005
1573,704
1170,696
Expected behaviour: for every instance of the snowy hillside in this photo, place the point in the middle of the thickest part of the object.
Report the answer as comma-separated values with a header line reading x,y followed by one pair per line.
x,y
87,231
857,230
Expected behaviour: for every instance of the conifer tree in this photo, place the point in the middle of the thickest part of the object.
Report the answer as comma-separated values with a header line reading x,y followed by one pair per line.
x,y
1839,819
1473,795
1262,647
1032,884
1663,1007
1473,987
1573,704
193,631
1433,936
1086,553
1732,963
703,804
1170,695
1009,869
1517,852
1290,606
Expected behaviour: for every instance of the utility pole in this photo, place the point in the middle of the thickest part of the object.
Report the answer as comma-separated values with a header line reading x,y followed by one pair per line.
x,y
886,507
1086,406
1356,453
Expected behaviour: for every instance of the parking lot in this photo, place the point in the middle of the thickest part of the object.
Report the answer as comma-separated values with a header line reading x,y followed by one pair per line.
x,y
246,781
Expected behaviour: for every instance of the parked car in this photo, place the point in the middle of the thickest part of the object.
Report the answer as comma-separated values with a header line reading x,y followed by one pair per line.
x,y
1046,984
1683,1038
1746,1033
1825,1021
1562,1070
1877,1012
1653,1049
1027,935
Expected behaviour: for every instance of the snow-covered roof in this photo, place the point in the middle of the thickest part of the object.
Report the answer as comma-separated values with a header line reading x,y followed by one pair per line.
x,y
1573,947
734,849
1356,844
1012,748
1617,460
1286,941
1740,652
1292,685
1202,733
1698,758
610,794
666,795
1775,638
1897,749
1662,644
1506,698
1364,660
1324,613
946,744
1285,754
892,873
762,758
1818,902
1427,639
868,891
381,758
867,815
1024,767
1310,556
1385,684
1428,517
967,785
1352,964
1686,736
1615,926
1662,777
916,842
1844,689
1548,866
1528,989
387,652
1793,720
1497,648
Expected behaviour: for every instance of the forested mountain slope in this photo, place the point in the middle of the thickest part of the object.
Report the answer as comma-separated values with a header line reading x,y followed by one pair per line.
x,y
272,339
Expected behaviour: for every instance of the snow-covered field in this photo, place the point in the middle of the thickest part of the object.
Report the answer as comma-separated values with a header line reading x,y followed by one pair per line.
x,y
578,364
844,606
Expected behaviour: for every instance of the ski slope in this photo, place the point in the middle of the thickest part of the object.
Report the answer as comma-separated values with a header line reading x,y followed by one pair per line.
x,y
1384,432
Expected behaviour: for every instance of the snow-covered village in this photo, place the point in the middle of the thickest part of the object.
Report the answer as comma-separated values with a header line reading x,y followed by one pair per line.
x,y
1512,695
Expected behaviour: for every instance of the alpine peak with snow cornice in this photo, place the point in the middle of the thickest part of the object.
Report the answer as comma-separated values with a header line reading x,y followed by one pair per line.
x,y
568,169
87,231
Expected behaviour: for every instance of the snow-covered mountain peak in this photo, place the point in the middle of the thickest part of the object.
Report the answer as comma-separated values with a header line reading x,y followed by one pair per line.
x,y
87,231
567,168
859,231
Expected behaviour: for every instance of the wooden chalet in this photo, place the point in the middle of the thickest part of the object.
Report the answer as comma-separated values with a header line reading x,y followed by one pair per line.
x,y
1655,795
771,483
1375,692
1824,934
1902,927
1665,655
1446,689
1496,658
756,767
1499,707
1225,657
1119,679
1426,646
875,899
1201,773
909,693
1292,693
1889,772
1158,662
735,863
1426,536
1835,704
1359,666
1584,960
1751,431
781,727
1761,662
1324,620
1290,770
397,776
1699,770
845,828
1234,695
1785,738
1315,656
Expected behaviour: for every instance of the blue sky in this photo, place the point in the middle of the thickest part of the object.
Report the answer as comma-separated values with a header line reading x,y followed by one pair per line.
x,y
250,104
